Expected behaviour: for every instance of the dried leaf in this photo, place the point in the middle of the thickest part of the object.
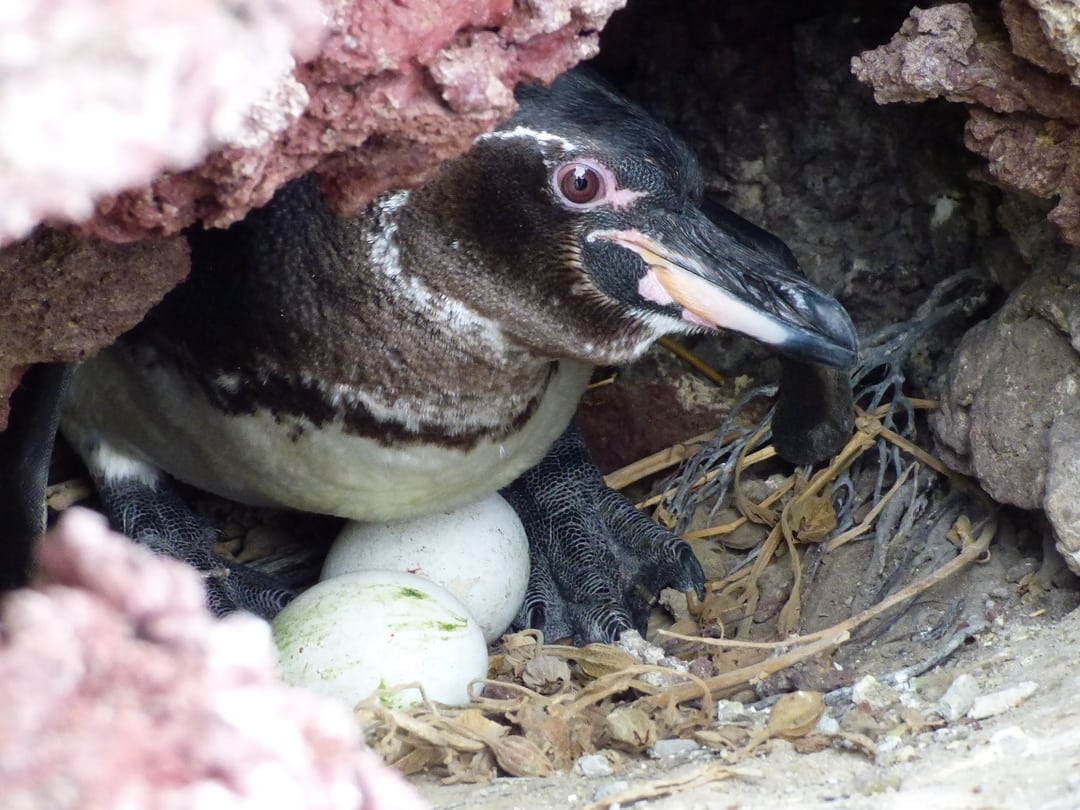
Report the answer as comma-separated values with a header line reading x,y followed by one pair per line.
x,y
795,715
630,728
811,517
418,760
518,650
546,674
472,720
725,738
423,730
479,767
520,757
550,734
598,660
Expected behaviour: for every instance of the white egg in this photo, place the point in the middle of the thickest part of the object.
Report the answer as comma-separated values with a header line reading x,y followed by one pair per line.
x,y
350,635
478,552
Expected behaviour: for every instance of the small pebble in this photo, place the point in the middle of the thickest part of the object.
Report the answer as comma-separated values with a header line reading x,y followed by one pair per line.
x,y
888,744
663,749
827,725
872,693
958,698
1020,569
732,712
998,702
593,765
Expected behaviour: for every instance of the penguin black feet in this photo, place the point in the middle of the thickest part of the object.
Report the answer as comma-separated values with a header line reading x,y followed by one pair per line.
x,y
597,563
148,510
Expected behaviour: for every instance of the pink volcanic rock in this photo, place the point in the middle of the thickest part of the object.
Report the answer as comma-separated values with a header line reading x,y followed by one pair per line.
x,y
939,52
120,690
1029,40
100,95
396,88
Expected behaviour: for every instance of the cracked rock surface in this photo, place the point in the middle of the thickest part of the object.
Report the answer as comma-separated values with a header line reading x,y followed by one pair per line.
x,y
1010,416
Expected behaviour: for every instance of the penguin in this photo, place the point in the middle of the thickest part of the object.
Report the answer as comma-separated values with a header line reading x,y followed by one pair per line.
x,y
432,349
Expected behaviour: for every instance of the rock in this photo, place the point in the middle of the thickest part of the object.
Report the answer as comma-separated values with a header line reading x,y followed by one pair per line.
x,y
613,788
591,765
665,749
106,684
1028,39
63,297
735,712
1062,498
1025,114
939,52
1010,415
1059,20
868,691
959,697
391,90
99,98
999,702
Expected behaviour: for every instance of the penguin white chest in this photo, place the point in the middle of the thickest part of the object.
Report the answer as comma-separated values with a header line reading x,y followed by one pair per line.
x,y
123,416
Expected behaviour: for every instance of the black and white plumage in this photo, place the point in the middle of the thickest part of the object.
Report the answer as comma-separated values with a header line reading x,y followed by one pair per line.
x,y
433,348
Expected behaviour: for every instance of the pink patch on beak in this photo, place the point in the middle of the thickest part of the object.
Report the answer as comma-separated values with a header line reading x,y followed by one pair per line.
x,y
651,289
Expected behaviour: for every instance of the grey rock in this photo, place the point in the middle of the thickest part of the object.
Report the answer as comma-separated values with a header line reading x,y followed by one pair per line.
x,y
593,765
872,693
1062,499
959,697
663,749
1000,702
1010,415
610,789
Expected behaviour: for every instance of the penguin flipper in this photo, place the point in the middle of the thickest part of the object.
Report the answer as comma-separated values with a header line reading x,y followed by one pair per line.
x,y
142,503
597,562
25,449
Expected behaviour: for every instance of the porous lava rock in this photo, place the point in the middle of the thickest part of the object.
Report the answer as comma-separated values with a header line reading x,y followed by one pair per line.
x,y
121,690
1010,415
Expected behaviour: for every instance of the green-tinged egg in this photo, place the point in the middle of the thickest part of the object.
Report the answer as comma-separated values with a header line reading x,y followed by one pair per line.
x,y
350,635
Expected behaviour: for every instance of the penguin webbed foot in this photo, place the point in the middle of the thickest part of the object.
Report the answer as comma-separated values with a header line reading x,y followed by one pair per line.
x,y
597,563
815,414
154,515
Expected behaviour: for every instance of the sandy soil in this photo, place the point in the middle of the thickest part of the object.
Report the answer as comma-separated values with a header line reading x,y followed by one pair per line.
x,y
1024,757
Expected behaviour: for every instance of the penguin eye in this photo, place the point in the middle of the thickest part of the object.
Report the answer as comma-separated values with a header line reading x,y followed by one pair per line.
x,y
579,183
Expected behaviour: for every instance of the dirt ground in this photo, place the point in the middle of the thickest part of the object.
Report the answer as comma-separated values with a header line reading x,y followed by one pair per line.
x,y
1025,757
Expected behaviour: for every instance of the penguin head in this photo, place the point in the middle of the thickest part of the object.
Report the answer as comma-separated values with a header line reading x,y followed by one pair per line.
x,y
583,226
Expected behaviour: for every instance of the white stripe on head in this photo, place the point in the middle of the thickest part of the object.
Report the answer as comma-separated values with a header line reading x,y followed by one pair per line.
x,y
533,134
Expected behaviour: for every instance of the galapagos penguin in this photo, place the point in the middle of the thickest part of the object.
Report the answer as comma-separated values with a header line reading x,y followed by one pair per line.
x,y
433,348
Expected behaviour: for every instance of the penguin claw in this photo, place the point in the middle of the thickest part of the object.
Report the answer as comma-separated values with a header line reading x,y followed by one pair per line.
x,y
597,563
153,515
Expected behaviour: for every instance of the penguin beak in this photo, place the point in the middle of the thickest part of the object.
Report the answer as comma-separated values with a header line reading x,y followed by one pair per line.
x,y
739,277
